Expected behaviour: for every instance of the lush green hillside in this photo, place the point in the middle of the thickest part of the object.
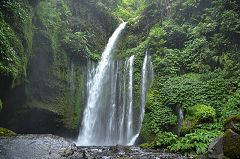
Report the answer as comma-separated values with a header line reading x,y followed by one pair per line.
x,y
196,57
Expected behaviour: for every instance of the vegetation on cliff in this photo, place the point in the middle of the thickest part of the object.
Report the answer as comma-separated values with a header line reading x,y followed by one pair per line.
x,y
45,46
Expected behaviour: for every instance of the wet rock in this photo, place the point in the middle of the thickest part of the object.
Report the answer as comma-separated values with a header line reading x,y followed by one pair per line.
x,y
54,147
215,149
35,146
115,152
69,151
231,144
120,149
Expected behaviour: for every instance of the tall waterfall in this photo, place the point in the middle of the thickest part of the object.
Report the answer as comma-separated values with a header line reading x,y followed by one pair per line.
x,y
94,125
108,118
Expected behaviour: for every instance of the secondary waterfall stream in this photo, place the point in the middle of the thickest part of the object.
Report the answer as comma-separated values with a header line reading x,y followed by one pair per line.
x,y
109,117
147,77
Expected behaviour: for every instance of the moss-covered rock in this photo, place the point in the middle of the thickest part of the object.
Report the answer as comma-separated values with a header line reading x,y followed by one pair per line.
x,y
233,123
231,144
5,132
202,113
198,114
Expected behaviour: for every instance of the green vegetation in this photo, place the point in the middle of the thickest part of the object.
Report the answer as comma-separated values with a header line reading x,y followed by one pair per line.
x,y
130,9
40,41
195,51
198,114
194,143
232,107
15,39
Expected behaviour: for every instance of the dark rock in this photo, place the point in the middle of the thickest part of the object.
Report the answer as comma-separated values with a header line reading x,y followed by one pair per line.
x,y
231,144
215,149
69,151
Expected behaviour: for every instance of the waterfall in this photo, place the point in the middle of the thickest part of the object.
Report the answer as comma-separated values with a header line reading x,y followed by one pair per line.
x,y
93,131
147,77
180,119
122,98
108,117
130,100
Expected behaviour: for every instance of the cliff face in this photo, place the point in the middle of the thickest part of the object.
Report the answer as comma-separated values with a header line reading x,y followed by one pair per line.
x,y
42,90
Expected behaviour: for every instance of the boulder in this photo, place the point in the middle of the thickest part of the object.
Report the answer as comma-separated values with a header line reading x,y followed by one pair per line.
x,y
120,149
233,123
231,144
215,149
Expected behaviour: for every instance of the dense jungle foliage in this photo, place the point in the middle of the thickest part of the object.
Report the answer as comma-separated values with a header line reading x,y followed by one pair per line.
x,y
194,44
195,50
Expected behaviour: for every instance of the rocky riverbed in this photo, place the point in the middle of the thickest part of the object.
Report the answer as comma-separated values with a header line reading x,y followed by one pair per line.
x,y
54,147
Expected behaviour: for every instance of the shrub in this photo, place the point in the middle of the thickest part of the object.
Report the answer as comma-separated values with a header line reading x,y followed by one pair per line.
x,y
164,139
232,107
194,143
202,113
77,43
198,115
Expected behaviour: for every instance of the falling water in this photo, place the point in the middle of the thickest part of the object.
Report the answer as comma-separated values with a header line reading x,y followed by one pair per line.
x,y
143,94
92,129
147,77
180,119
130,100
108,118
